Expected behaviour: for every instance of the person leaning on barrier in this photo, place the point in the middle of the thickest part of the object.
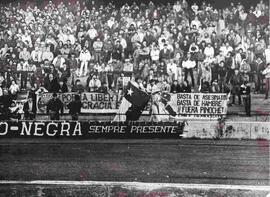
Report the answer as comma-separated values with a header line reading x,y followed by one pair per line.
x,y
75,107
29,107
245,94
160,111
266,73
54,106
235,82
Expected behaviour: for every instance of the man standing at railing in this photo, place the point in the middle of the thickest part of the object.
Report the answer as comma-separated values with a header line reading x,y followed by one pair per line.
x,y
54,106
245,94
266,73
75,107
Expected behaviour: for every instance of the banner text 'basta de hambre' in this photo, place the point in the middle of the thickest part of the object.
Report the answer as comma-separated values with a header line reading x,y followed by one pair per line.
x,y
193,105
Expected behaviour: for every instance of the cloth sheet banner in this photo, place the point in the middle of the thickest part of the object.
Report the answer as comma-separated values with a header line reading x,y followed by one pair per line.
x,y
190,105
91,130
92,102
199,105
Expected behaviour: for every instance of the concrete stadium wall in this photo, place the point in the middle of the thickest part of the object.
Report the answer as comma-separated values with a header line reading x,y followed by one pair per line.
x,y
247,130
228,130
201,129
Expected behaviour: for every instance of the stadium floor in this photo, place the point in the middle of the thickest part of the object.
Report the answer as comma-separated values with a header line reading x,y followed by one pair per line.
x,y
229,162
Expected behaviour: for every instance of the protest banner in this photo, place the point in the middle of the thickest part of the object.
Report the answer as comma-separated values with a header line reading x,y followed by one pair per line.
x,y
91,102
91,130
188,105
199,105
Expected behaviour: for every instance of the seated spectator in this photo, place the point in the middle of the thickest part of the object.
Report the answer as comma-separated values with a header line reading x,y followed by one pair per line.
x,y
185,88
152,87
215,88
51,83
205,88
165,53
103,88
154,44
94,84
47,55
64,72
58,61
78,87
63,85
175,87
25,55
14,89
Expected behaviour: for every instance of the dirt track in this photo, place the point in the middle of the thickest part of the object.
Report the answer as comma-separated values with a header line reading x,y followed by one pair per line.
x,y
175,161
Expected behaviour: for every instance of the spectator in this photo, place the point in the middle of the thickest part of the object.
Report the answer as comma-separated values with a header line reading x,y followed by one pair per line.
x,y
259,66
209,51
47,55
222,73
175,87
152,87
14,90
78,87
51,83
75,107
165,53
94,84
84,58
58,61
245,69
118,52
154,41
172,70
98,46
236,81
188,66
25,55
103,88
54,107
215,88
186,88
36,55
267,54
245,93
63,86
266,72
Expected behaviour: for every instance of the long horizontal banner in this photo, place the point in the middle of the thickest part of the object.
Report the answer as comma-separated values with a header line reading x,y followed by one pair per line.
x,y
91,130
192,105
198,105
91,102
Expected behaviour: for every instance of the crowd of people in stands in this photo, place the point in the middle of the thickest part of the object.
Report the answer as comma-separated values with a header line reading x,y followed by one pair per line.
x,y
78,46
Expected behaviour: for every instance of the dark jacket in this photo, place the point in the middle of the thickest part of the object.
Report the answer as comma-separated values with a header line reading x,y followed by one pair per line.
x,y
175,88
75,107
55,105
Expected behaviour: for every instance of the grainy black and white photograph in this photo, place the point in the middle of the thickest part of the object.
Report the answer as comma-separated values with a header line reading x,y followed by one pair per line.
x,y
134,98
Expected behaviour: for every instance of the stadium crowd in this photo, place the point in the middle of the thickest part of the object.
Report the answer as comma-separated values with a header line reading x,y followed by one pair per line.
x,y
78,46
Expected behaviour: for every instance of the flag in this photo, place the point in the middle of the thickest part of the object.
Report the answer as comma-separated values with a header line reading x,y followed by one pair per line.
x,y
132,105
161,109
166,98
